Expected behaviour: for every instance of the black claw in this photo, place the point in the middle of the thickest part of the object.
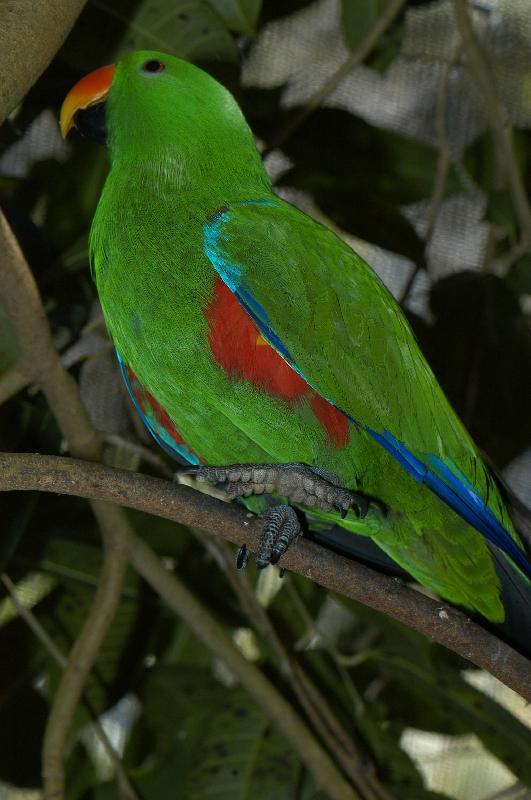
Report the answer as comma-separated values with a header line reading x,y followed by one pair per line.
x,y
282,572
362,507
343,512
242,557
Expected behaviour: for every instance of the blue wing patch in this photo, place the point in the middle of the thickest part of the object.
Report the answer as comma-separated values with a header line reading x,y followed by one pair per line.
x,y
453,489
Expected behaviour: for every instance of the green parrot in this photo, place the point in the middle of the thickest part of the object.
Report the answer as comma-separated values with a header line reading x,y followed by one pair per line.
x,y
264,352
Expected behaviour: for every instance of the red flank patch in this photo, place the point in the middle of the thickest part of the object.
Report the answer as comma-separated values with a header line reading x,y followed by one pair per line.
x,y
238,347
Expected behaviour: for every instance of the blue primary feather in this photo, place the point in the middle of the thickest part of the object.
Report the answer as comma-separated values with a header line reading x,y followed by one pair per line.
x,y
457,493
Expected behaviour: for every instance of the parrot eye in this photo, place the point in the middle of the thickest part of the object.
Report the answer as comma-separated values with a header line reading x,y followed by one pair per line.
x,y
153,65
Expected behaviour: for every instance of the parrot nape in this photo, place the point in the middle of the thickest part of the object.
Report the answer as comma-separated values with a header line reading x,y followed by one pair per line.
x,y
264,352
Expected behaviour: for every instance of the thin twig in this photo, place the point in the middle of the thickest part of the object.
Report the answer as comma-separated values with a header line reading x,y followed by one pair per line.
x,y
33,623
86,647
498,118
359,55
435,619
127,790
329,646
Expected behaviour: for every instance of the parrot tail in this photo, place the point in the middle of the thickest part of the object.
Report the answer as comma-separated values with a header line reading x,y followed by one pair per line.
x,y
515,587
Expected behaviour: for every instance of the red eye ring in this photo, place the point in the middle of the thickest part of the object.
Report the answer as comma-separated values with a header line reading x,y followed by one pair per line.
x,y
153,65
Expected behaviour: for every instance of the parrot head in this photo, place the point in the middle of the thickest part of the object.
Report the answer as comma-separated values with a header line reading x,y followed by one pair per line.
x,y
165,117
151,98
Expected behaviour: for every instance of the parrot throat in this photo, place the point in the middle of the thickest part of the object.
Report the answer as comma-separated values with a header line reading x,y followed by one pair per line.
x,y
217,166
90,123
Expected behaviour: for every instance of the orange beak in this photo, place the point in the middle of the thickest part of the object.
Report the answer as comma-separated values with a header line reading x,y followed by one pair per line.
x,y
91,89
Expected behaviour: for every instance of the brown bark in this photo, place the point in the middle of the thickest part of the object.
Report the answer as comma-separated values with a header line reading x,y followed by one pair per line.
x,y
434,619
31,32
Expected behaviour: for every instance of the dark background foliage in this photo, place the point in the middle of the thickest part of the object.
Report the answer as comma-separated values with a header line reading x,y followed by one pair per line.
x,y
410,191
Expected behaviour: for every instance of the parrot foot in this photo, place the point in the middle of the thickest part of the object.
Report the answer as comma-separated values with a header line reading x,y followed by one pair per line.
x,y
299,483
281,528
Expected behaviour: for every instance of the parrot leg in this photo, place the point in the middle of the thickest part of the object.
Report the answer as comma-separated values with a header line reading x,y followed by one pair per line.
x,y
281,528
299,483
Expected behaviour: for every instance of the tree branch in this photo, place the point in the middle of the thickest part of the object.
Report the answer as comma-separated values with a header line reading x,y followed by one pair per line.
x,y
31,32
45,24
440,622
12,381
38,358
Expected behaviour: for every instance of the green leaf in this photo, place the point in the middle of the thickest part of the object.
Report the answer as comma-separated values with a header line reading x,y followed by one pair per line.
x,y
386,750
519,277
212,739
358,17
64,624
500,211
190,29
238,15
387,49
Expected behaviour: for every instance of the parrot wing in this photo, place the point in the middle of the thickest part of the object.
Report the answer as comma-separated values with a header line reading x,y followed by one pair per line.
x,y
323,309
